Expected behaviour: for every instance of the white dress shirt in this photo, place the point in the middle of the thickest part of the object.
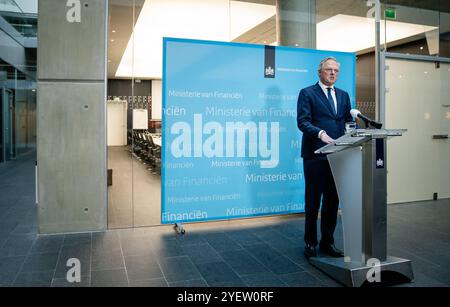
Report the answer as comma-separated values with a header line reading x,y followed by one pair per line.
x,y
333,92
333,95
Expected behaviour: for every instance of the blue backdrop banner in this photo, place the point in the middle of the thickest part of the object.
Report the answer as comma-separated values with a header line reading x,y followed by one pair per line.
x,y
231,146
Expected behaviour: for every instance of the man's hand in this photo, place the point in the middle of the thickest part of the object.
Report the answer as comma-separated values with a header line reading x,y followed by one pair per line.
x,y
325,138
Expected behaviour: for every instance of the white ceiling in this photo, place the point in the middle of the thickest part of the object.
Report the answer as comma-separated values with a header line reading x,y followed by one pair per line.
x,y
352,33
220,20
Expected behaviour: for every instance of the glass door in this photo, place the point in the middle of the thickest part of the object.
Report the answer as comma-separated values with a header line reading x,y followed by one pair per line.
x,y
414,102
444,131
134,163
120,137
7,124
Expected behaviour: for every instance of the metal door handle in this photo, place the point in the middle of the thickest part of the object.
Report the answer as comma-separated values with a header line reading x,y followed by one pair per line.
x,y
440,136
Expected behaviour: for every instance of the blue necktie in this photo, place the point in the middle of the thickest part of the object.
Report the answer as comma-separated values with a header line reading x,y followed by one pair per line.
x,y
330,99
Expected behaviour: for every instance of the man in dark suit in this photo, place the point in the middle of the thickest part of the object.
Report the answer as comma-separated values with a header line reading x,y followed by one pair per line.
x,y
322,111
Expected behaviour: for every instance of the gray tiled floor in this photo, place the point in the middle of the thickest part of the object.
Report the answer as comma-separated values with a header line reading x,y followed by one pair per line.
x,y
264,252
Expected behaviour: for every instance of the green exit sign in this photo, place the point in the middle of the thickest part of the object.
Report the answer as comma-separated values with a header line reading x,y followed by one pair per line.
x,y
390,13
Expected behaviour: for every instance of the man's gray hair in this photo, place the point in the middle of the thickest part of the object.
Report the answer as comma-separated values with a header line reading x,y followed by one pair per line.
x,y
327,59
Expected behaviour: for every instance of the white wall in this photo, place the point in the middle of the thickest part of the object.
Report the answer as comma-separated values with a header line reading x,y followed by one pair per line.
x,y
156,99
117,123
140,119
219,20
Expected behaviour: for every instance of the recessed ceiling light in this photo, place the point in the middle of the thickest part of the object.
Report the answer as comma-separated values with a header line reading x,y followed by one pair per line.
x,y
112,41
113,31
421,47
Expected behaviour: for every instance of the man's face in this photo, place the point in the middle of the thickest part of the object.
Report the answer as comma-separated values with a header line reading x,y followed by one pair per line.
x,y
329,73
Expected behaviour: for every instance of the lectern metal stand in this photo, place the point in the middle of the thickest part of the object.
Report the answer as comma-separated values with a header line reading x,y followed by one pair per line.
x,y
358,163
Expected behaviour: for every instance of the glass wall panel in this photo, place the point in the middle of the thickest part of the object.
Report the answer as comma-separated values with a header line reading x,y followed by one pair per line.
x,y
146,158
345,25
417,100
135,77
121,137
134,126
137,28
349,26
18,45
253,22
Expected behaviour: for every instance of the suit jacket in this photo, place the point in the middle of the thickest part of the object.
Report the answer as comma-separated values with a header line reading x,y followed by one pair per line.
x,y
314,113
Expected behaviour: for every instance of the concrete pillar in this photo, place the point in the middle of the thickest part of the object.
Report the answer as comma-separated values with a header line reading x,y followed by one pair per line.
x,y
71,116
296,23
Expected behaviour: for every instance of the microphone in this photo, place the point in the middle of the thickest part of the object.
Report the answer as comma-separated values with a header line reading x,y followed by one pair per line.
x,y
357,114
